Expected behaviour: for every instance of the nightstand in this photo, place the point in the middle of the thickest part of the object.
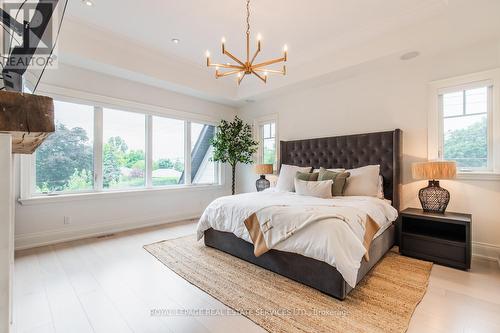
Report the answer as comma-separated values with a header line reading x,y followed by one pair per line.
x,y
442,238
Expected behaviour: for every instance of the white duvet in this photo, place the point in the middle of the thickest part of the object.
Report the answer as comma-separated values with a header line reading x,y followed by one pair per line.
x,y
333,241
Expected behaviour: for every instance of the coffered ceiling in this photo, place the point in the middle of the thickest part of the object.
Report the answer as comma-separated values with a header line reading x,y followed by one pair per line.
x,y
133,39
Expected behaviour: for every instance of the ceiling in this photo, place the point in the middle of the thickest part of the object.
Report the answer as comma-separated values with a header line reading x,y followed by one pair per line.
x,y
323,36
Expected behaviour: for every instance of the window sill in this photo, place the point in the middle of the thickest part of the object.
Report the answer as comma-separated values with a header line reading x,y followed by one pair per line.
x,y
478,175
48,199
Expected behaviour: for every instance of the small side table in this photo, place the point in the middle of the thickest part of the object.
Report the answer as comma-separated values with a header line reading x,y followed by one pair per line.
x,y
441,238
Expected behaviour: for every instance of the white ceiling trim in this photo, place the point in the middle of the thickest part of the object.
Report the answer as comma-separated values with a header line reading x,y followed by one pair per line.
x,y
429,26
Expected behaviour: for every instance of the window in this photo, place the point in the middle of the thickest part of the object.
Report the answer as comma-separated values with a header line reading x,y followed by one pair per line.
x,y
168,151
463,124
96,149
124,162
269,143
267,138
203,169
64,162
465,127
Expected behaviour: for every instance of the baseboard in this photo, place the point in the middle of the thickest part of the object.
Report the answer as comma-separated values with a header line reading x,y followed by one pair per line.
x,y
49,237
486,251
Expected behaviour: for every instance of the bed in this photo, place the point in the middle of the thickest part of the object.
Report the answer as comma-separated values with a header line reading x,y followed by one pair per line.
x,y
350,151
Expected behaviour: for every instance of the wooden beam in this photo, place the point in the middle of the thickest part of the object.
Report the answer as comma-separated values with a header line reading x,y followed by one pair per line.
x,y
28,118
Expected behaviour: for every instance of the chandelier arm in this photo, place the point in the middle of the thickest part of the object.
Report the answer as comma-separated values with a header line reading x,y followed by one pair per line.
x,y
220,74
227,66
255,55
241,78
269,70
264,79
226,52
270,62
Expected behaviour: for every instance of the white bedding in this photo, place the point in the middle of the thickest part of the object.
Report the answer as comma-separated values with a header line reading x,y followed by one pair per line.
x,y
335,242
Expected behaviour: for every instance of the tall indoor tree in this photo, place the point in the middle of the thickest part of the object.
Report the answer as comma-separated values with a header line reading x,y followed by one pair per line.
x,y
233,143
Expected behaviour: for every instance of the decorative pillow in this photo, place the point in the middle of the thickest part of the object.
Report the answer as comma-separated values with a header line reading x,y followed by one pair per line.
x,y
314,189
310,177
287,177
363,181
338,179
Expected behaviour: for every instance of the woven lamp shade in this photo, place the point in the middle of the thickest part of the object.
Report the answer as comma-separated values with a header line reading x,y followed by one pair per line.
x,y
434,170
264,169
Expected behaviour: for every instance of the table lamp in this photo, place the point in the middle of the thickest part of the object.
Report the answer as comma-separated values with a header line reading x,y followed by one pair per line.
x,y
434,198
263,169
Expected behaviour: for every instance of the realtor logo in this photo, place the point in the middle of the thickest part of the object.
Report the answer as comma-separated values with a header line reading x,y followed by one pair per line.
x,y
29,36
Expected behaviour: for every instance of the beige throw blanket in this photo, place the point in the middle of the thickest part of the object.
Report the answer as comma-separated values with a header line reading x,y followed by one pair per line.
x,y
273,225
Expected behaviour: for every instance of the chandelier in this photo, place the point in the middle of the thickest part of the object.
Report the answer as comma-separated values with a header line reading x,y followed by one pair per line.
x,y
242,68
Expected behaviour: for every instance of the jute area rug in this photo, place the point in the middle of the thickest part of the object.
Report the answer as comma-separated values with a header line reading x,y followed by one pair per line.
x,y
383,301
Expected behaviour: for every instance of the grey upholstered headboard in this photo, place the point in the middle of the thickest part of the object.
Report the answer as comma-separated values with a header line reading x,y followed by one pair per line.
x,y
351,151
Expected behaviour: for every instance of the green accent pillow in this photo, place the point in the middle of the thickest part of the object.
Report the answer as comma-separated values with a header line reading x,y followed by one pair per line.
x,y
339,180
307,176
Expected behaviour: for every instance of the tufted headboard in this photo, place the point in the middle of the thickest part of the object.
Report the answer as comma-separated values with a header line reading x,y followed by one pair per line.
x,y
351,151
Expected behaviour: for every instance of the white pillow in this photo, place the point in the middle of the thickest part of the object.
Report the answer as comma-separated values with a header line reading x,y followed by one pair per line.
x,y
334,170
363,181
287,176
380,194
321,189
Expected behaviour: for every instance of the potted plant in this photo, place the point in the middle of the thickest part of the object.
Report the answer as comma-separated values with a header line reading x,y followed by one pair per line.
x,y
233,143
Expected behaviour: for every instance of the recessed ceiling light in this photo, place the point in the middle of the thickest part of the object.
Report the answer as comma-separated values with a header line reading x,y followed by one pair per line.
x,y
88,2
176,40
410,55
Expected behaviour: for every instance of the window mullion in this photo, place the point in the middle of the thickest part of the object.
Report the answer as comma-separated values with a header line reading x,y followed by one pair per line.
x,y
98,148
464,103
187,153
276,144
217,167
490,130
261,144
149,151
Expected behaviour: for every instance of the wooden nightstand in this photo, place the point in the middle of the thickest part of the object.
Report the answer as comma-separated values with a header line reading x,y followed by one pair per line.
x,y
442,238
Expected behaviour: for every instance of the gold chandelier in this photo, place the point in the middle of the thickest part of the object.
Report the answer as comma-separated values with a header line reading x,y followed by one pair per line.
x,y
243,68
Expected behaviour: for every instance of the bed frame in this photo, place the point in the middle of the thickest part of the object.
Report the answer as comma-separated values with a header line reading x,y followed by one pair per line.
x,y
349,151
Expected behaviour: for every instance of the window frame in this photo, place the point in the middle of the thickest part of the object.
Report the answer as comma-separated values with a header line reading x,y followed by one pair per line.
x,y
491,79
149,155
258,136
147,143
489,112
27,162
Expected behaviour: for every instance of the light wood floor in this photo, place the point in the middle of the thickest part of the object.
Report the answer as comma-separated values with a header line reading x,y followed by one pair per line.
x,y
111,285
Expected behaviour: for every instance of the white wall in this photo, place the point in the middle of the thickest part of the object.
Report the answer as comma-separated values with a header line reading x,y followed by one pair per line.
x,y
6,232
38,224
384,95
